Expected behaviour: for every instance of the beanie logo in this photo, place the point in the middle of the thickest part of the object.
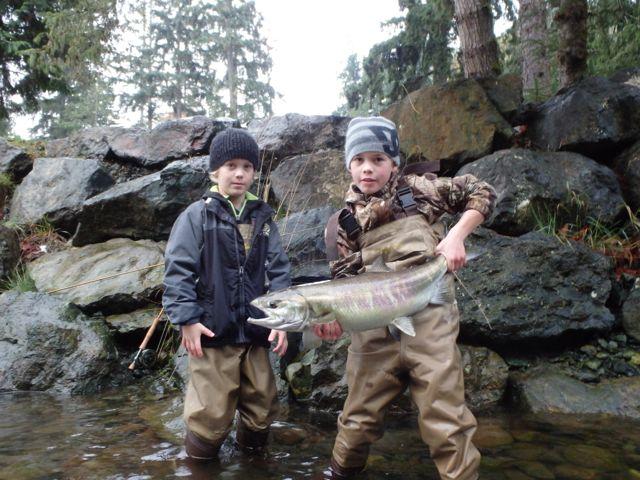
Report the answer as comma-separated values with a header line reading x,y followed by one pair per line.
x,y
389,139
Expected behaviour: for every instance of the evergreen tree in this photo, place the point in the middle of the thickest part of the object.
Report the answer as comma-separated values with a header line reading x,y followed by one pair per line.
x,y
139,66
613,35
46,46
88,105
246,59
420,54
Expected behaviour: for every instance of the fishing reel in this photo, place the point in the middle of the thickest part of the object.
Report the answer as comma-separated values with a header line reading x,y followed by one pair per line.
x,y
144,358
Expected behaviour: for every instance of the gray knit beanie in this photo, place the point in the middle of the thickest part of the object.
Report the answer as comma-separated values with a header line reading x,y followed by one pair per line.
x,y
233,143
371,134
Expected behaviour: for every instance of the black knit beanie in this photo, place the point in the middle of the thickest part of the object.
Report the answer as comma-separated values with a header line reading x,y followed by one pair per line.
x,y
233,143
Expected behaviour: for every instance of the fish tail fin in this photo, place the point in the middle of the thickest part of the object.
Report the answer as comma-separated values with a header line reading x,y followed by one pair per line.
x,y
405,325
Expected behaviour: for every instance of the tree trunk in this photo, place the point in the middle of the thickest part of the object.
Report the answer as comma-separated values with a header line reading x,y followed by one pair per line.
x,y
477,41
532,29
232,82
571,19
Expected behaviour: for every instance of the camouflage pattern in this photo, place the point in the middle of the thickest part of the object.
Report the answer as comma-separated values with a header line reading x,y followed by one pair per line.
x,y
434,197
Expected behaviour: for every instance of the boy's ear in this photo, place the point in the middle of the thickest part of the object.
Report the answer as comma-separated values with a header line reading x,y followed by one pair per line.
x,y
213,176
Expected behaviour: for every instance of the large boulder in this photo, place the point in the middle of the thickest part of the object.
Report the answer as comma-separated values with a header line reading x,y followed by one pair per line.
x,y
294,134
14,162
170,140
546,390
533,187
311,181
56,189
138,263
303,239
454,123
505,92
533,290
631,312
145,207
596,117
9,251
89,143
627,164
49,345
318,377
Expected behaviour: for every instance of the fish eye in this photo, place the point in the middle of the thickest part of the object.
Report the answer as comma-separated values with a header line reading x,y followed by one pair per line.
x,y
273,304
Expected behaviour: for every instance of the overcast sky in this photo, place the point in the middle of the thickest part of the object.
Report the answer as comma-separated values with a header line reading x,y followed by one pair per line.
x,y
310,42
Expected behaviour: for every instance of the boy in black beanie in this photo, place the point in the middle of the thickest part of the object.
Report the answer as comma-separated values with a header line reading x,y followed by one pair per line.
x,y
220,251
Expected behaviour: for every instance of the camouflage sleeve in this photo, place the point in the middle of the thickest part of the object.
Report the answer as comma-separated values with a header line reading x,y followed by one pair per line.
x,y
350,261
454,194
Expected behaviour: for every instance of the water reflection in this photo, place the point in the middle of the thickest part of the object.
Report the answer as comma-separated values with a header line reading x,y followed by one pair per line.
x,y
130,435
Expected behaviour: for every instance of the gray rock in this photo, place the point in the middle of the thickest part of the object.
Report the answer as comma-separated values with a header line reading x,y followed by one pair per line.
x,y
294,134
303,240
631,312
544,390
311,181
89,143
533,289
171,140
505,92
56,189
535,186
318,377
134,322
48,345
145,207
119,294
485,377
627,165
454,123
14,162
596,117
9,251
630,76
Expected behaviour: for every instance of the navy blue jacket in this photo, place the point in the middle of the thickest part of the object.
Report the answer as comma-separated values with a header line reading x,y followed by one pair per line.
x,y
209,278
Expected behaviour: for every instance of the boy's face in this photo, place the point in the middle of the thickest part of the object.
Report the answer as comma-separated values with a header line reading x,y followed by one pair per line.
x,y
234,177
370,171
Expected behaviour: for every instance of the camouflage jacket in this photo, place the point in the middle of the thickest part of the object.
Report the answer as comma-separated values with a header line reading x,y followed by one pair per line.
x,y
434,197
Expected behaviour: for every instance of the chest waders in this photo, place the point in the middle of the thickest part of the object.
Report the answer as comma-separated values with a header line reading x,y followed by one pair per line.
x,y
379,367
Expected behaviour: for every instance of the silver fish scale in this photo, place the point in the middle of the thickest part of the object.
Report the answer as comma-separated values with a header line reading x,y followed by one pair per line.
x,y
373,300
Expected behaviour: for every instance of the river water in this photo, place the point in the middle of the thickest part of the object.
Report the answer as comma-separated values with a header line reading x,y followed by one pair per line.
x,y
134,434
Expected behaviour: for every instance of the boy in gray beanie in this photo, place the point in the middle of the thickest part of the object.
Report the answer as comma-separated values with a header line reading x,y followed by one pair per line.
x,y
396,219
220,251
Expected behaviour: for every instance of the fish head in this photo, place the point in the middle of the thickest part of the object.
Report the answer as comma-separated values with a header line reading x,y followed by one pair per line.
x,y
285,310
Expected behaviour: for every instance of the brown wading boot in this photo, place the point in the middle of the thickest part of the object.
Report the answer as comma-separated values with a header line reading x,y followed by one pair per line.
x,y
251,442
336,472
198,449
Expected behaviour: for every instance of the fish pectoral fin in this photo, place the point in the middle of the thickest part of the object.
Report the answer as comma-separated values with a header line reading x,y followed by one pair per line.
x,y
378,266
405,325
309,340
444,294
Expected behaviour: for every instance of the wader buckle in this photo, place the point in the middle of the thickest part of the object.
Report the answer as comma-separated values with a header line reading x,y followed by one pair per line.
x,y
405,197
350,224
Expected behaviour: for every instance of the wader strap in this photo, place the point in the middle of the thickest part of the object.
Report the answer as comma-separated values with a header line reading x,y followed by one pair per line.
x,y
348,222
404,195
350,225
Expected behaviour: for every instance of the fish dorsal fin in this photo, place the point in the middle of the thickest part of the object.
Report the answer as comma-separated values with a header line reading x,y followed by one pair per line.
x,y
405,325
309,340
378,265
444,294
